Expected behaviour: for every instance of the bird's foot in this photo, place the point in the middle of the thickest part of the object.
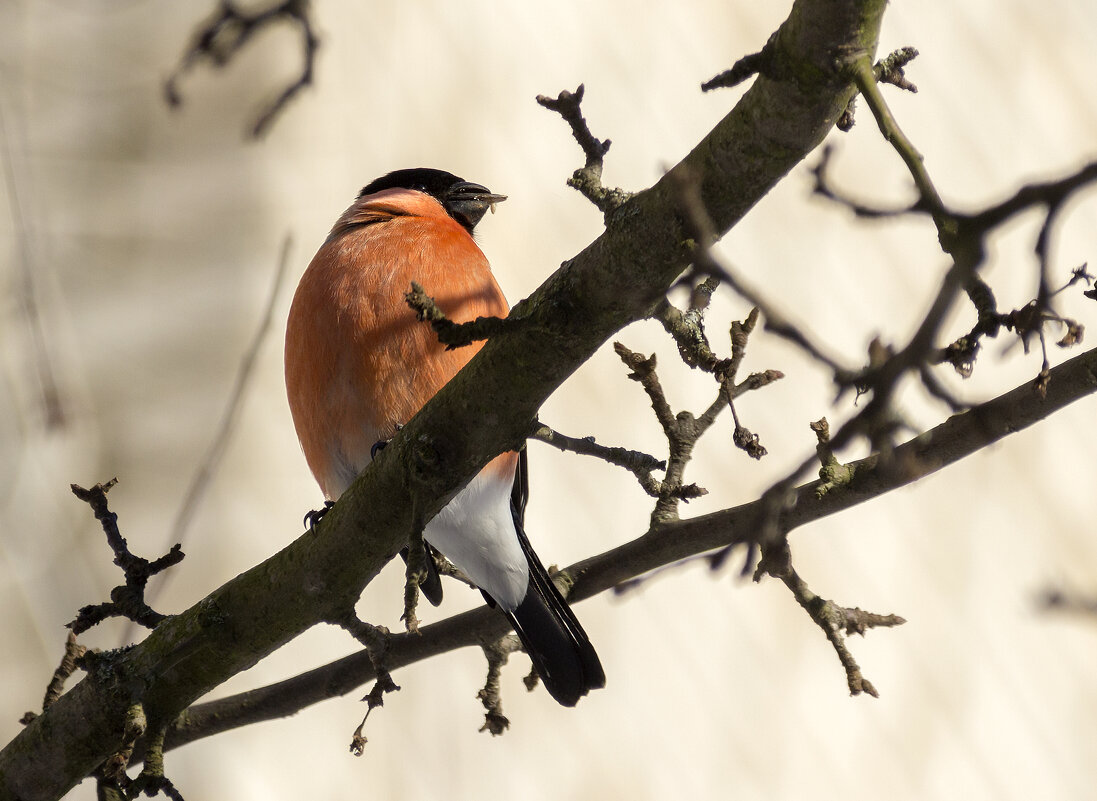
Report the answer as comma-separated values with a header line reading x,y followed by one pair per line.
x,y
316,515
381,444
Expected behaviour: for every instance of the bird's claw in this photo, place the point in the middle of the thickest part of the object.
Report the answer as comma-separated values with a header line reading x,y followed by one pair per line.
x,y
382,443
314,516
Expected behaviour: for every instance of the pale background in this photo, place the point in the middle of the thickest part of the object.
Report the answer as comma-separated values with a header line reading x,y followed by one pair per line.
x,y
153,238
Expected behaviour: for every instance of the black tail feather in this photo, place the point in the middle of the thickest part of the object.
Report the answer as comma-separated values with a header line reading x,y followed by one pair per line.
x,y
560,650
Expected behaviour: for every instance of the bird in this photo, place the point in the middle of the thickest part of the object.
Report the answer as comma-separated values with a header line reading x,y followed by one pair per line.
x,y
359,365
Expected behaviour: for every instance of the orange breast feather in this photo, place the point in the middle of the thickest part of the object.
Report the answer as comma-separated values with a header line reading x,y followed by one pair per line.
x,y
357,361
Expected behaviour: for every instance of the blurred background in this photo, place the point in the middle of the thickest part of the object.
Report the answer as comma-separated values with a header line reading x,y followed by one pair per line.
x,y
138,250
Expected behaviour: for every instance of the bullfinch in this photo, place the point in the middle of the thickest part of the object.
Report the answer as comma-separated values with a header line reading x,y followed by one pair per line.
x,y
359,365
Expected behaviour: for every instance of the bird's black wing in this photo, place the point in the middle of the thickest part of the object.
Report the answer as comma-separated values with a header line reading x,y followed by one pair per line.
x,y
555,641
519,493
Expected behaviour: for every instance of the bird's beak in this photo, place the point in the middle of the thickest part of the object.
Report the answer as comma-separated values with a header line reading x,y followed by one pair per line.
x,y
485,196
467,202
489,199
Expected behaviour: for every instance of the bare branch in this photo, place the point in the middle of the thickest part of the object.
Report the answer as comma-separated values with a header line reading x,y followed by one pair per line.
x,y
415,573
457,335
587,179
1056,599
73,652
964,236
1048,194
127,600
701,230
151,781
643,371
113,770
683,429
373,699
836,622
824,187
227,31
687,328
760,63
53,410
864,75
890,68
639,464
490,695
211,460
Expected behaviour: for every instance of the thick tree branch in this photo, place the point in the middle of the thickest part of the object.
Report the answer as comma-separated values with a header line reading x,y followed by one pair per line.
x,y
485,410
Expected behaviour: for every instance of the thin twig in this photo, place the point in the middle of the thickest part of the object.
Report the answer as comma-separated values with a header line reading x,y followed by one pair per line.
x,y
224,35
70,661
864,75
701,229
127,600
639,464
211,460
490,695
373,699
375,639
73,652
457,335
151,781
837,622
760,63
134,726
588,178
890,69
964,236
688,329
681,430
824,187
52,407
415,573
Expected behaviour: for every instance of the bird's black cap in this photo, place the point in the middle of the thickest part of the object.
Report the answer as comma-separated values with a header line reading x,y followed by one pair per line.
x,y
421,179
465,201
